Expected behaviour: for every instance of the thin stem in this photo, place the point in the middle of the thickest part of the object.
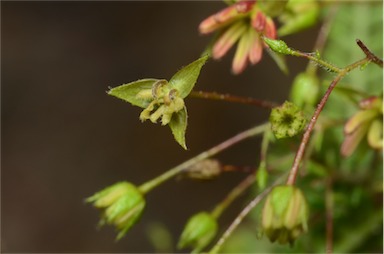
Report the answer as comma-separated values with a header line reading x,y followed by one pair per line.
x,y
147,186
307,134
369,54
329,216
233,98
319,61
242,215
236,192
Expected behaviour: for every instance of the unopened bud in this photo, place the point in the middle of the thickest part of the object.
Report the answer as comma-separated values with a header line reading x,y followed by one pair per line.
x,y
279,46
121,204
198,232
305,90
204,170
285,214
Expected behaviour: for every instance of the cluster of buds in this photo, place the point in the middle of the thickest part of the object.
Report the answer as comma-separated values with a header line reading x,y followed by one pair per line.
x,y
285,214
245,22
367,121
121,205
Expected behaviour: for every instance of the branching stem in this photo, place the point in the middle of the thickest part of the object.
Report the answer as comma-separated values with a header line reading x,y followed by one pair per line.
x,y
147,186
242,215
307,134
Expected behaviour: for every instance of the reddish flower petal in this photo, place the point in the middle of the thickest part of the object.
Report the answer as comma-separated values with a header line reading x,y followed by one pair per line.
x,y
240,60
256,51
228,39
270,29
258,20
225,16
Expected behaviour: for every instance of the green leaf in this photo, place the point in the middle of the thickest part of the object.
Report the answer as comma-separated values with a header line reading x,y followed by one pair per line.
x,y
178,125
128,92
184,80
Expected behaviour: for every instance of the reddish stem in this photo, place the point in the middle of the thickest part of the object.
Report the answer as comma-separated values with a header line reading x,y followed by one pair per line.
x,y
300,152
233,98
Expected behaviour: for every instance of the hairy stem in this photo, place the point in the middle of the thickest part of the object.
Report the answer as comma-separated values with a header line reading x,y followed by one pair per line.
x,y
147,186
233,98
307,134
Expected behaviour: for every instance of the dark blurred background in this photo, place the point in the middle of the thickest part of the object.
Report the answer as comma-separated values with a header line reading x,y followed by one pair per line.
x,y
63,138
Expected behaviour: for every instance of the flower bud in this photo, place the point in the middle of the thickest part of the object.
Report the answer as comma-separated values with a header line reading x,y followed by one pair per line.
x,y
121,204
204,170
285,214
305,89
198,232
278,46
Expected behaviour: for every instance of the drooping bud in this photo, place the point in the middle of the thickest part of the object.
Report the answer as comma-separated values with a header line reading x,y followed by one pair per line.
x,y
121,205
198,232
287,120
204,170
285,214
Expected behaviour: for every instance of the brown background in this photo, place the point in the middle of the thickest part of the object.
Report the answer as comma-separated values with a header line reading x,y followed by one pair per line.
x,y
63,138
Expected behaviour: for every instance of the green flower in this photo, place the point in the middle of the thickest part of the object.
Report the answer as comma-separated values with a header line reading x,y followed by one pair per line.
x,y
287,120
198,232
163,100
121,205
285,214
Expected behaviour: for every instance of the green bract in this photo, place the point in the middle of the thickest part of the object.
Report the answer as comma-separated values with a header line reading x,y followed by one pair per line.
x,y
198,232
122,205
287,120
162,99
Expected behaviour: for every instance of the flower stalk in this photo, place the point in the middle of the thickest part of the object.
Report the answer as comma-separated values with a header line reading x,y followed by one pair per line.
x,y
148,186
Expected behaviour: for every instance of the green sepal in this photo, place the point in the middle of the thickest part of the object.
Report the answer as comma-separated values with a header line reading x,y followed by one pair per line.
x,y
128,92
178,125
280,60
184,80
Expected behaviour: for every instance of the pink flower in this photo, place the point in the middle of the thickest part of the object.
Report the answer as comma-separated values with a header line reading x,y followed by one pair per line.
x,y
242,22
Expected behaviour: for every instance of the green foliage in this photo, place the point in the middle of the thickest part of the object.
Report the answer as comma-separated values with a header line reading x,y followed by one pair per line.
x,y
163,99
